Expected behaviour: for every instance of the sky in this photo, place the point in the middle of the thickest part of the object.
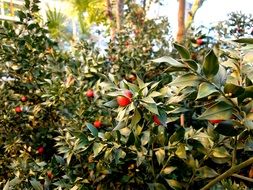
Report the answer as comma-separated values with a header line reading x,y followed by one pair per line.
x,y
211,11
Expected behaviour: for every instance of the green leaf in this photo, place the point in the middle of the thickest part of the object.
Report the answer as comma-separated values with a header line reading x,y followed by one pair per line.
x,y
36,185
219,111
152,107
205,89
244,40
174,184
178,135
248,146
191,63
184,53
7,186
97,148
211,64
181,152
220,152
227,128
111,104
160,155
186,80
156,186
136,118
166,59
92,129
233,90
206,172
168,170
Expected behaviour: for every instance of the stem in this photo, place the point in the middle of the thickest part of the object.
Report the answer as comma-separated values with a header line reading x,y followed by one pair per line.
x,y
243,177
228,173
234,152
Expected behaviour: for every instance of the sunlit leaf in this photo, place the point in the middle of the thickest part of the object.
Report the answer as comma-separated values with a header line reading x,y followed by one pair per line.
x,y
169,60
97,148
160,155
181,152
174,184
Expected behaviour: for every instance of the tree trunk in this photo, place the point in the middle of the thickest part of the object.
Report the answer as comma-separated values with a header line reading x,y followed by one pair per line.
x,y
181,27
111,18
119,13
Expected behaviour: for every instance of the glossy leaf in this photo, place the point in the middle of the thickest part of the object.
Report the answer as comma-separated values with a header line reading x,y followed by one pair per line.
x,y
92,129
97,148
181,152
152,107
233,89
206,172
136,118
205,89
160,155
220,152
36,185
191,63
166,59
219,111
184,53
211,64
186,80
174,184
168,170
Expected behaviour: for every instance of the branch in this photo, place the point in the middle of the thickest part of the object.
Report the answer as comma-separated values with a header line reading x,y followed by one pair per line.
x,y
196,5
228,173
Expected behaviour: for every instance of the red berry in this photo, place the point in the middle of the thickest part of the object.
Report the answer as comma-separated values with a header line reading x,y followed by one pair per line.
x,y
90,93
97,124
128,94
40,150
156,120
126,99
199,41
50,175
214,121
18,109
23,98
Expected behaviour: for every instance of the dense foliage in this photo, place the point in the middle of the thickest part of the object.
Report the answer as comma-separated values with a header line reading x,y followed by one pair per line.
x,y
140,117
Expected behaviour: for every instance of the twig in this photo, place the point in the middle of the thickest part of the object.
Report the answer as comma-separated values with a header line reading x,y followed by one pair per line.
x,y
228,173
243,177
